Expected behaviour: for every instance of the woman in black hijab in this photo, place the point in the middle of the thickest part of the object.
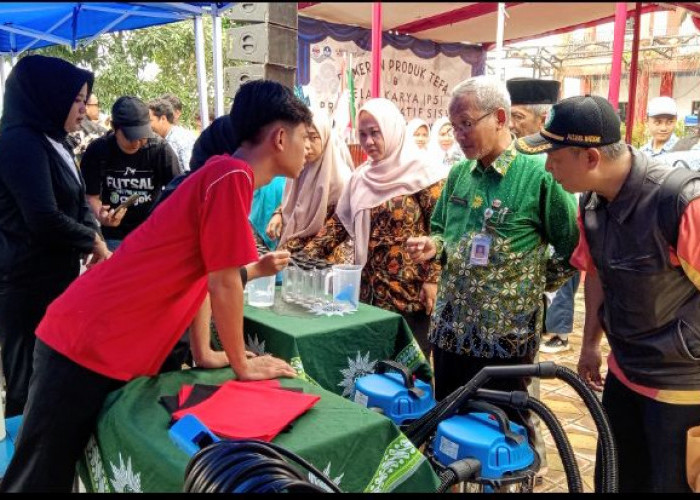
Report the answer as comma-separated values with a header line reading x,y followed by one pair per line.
x,y
46,225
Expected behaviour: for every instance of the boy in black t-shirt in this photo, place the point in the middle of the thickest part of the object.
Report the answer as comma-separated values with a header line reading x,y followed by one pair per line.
x,y
129,161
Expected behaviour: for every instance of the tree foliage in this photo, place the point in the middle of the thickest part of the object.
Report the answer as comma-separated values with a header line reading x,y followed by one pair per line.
x,y
118,60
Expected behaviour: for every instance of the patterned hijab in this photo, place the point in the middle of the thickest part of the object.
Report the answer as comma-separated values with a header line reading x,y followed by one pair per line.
x,y
319,185
403,171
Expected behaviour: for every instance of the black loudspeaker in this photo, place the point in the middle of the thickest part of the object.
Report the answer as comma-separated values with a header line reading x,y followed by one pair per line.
x,y
263,43
236,76
282,14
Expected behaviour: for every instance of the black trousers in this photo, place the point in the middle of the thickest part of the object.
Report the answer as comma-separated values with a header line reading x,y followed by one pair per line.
x,y
651,439
420,324
64,402
21,310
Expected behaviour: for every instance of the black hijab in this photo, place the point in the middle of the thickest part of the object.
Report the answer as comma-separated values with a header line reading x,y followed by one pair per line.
x,y
216,139
39,93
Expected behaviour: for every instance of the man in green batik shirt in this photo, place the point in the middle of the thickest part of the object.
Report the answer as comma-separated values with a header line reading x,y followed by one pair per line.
x,y
491,228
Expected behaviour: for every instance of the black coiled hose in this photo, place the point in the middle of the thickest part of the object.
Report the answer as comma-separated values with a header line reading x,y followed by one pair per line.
x,y
250,466
609,479
521,400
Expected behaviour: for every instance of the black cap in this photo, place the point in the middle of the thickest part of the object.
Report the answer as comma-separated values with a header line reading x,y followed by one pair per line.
x,y
532,91
130,114
585,121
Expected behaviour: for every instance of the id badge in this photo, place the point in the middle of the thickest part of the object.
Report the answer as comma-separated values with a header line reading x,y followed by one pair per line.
x,y
481,244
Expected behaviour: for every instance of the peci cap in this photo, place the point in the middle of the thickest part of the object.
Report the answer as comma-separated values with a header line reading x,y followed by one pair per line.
x,y
532,91
584,121
130,114
662,106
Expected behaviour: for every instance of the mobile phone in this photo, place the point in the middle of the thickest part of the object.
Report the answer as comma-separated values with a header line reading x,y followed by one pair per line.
x,y
128,202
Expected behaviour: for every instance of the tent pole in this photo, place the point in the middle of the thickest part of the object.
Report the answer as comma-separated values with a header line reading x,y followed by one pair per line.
x,y
376,48
218,65
500,29
3,77
618,47
632,95
201,70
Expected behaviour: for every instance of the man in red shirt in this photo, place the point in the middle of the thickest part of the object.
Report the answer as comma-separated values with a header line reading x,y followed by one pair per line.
x,y
120,319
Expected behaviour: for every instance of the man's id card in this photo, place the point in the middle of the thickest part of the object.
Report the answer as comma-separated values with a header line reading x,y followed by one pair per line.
x,y
481,244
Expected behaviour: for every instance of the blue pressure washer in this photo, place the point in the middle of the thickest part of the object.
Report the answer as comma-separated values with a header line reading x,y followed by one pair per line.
x,y
469,440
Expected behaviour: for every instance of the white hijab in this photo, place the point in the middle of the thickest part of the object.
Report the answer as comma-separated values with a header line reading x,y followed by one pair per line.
x,y
414,125
306,199
403,170
441,159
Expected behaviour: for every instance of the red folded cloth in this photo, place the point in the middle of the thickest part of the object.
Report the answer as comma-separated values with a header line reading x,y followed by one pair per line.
x,y
245,410
186,390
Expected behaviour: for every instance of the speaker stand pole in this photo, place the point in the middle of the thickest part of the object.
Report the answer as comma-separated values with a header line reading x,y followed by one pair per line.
x,y
201,70
218,65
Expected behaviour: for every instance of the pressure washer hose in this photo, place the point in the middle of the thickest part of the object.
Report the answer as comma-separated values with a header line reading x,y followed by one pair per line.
x,y
250,466
521,400
609,463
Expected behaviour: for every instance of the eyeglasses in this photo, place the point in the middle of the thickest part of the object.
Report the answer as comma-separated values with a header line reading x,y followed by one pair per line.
x,y
468,125
92,103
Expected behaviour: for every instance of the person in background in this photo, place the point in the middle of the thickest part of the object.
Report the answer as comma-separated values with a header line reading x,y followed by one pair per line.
x,y
311,199
176,103
130,160
491,228
691,141
387,199
118,321
90,128
180,139
46,225
442,148
662,114
420,131
530,102
642,289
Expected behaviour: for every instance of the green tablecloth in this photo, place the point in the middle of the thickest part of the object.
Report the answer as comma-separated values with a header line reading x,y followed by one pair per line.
x,y
332,351
359,449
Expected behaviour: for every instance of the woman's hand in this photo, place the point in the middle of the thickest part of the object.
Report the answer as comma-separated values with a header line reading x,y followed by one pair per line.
x,y
274,227
420,248
266,367
428,292
109,217
269,264
100,252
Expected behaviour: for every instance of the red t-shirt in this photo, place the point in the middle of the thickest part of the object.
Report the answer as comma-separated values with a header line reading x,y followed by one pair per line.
x,y
122,318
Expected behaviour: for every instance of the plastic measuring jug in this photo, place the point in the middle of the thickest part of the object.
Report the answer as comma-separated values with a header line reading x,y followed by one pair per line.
x,y
261,291
346,284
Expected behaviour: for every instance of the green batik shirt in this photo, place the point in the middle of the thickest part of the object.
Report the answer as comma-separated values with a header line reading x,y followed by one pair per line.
x,y
496,310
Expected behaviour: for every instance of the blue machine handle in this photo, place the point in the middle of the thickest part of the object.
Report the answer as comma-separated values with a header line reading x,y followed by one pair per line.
x,y
384,365
191,435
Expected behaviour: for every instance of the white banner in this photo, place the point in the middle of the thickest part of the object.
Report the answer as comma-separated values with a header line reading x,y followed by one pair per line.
x,y
419,87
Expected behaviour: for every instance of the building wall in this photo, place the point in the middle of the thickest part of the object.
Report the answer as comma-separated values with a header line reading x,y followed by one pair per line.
x,y
686,89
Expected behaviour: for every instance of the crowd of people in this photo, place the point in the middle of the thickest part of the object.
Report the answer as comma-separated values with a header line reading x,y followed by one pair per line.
x,y
465,228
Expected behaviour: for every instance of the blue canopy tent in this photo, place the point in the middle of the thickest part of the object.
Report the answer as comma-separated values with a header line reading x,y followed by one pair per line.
x,y
26,25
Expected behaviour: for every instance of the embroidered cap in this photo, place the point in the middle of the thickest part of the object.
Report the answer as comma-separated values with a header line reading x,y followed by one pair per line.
x,y
584,121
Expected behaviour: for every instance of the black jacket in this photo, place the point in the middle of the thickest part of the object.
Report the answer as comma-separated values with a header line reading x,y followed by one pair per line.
x,y
45,221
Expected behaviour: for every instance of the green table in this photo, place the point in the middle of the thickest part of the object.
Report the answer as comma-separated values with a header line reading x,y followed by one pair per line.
x,y
359,449
332,351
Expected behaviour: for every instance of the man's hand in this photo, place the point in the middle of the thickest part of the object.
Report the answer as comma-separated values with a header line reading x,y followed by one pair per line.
x,y
428,292
108,217
589,363
100,252
421,248
274,227
266,367
269,264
